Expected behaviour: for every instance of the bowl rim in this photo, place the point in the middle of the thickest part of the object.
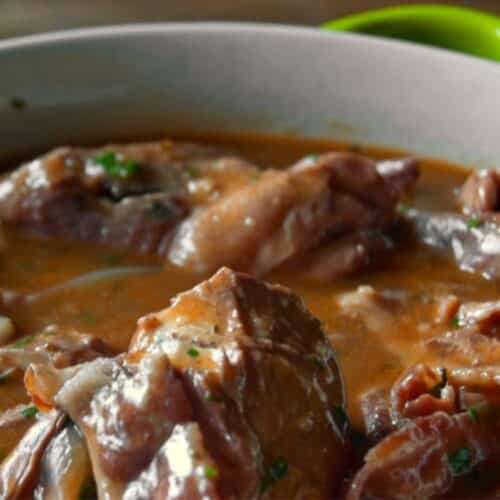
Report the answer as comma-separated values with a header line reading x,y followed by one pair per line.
x,y
194,28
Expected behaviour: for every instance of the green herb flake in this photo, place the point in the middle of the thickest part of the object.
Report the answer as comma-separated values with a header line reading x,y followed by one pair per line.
x,y
17,103
211,472
116,166
311,157
88,317
24,341
454,323
193,352
277,471
193,172
473,413
473,222
402,208
340,416
29,412
460,462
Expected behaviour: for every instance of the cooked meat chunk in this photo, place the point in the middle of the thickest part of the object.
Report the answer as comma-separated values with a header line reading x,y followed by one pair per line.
x,y
480,192
375,406
167,477
65,471
344,256
426,456
284,214
474,242
473,339
377,308
421,391
193,385
126,196
19,472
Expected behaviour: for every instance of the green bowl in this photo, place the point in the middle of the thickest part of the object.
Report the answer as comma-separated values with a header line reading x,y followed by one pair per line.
x,y
454,28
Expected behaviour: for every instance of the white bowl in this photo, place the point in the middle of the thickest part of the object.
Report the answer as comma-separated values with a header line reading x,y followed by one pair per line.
x,y
96,84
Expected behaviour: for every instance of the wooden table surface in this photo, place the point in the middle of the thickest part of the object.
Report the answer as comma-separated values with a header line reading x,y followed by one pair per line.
x,y
28,16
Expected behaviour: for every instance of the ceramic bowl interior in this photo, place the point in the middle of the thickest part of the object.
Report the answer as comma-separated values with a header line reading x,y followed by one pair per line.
x,y
118,82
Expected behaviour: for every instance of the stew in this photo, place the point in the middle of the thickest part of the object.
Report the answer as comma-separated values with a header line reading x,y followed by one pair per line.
x,y
242,317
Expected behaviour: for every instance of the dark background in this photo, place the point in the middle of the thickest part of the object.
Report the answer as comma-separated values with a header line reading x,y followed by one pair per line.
x,y
19,17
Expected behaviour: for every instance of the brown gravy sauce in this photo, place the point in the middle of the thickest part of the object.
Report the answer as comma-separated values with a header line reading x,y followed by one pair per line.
x,y
370,354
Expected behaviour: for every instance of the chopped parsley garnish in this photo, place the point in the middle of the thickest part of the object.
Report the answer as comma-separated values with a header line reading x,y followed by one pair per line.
x,y
17,103
159,210
211,472
29,412
340,416
402,208
193,172
312,157
88,317
24,341
116,166
277,471
473,222
472,411
460,462
454,323
193,352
